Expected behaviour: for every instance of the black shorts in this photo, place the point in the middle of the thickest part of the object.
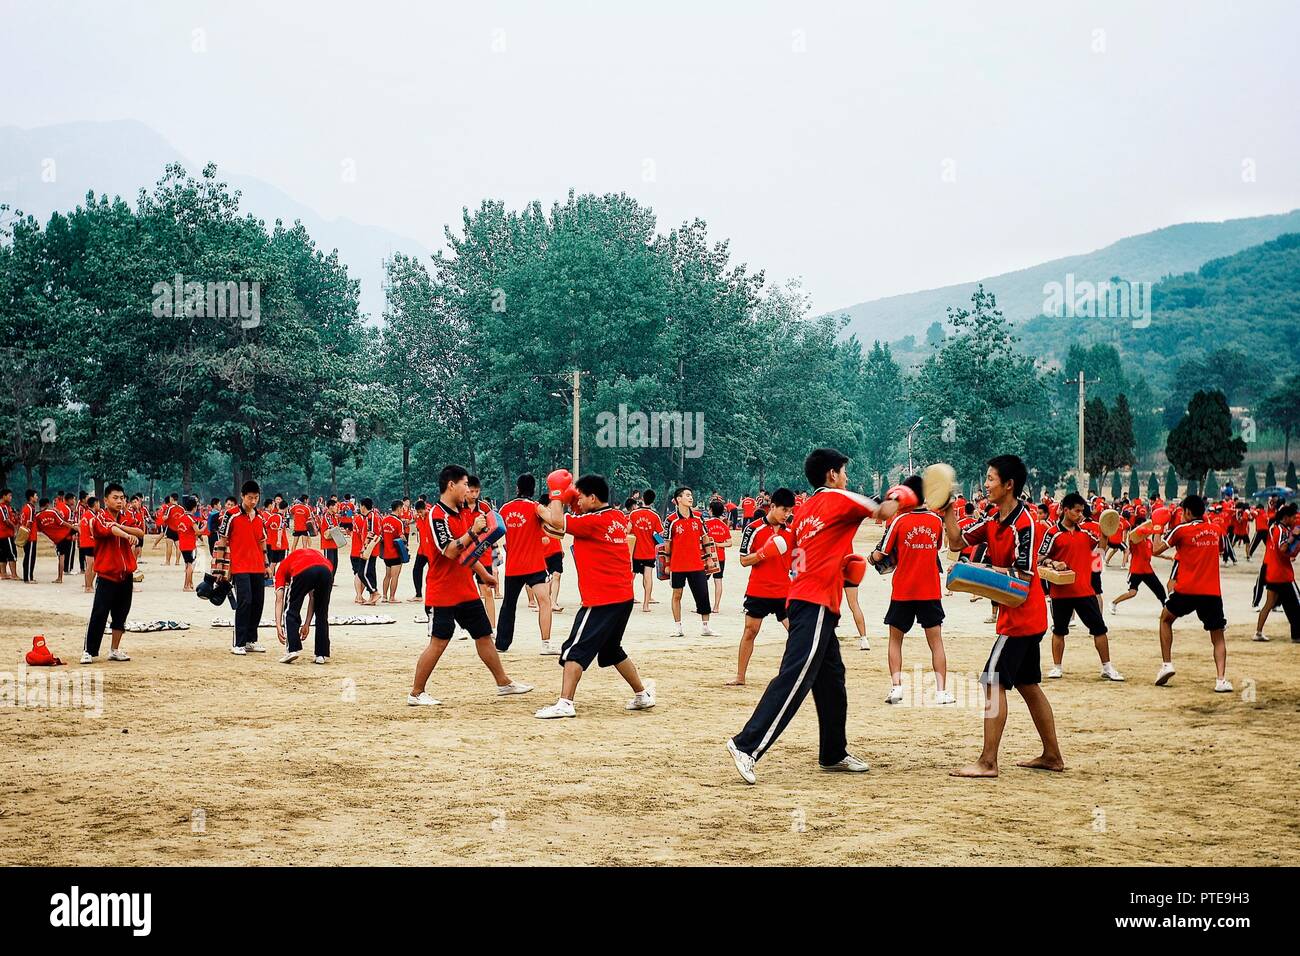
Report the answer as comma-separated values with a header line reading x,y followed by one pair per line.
x,y
1116,546
188,556
760,607
642,564
302,534
85,553
1096,582
718,573
597,635
1208,607
275,557
471,615
64,547
555,563
1149,579
1064,608
171,535
394,562
534,580
8,550
903,614
1013,662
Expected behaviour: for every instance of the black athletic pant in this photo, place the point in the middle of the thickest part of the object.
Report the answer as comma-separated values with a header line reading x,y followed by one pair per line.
x,y
1288,598
29,560
811,663
1260,538
69,555
333,555
372,582
112,602
515,583
417,573
318,582
250,598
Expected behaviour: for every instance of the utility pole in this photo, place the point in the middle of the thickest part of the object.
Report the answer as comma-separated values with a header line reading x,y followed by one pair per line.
x,y
1081,381
577,398
910,432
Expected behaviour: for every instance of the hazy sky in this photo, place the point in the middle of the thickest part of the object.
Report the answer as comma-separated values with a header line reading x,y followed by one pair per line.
x,y
814,136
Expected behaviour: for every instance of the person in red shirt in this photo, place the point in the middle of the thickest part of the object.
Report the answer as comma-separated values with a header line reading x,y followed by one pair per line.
x,y
27,519
1195,587
721,535
365,538
115,550
485,589
1278,573
422,553
306,574
277,537
909,551
451,594
1262,518
300,517
390,532
243,534
602,554
747,507
525,563
59,530
329,520
823,543
86,541
8,529
646,524
1072,546
186,521
1140,569
553,552
683,532
765,547
1012,541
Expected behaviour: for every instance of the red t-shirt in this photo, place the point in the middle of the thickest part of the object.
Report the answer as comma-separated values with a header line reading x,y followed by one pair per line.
x,y
300,513
601,555
823,534
683,535
1278,568
645,525
363,526
8,522
747,508
1140,556
85,533
245,538
1197,569
523,537
914,539
447,582
1261,519
390,529
719,532
1075,548
297,562
1014,543
186,535
114,556
50,523
328,521
769,578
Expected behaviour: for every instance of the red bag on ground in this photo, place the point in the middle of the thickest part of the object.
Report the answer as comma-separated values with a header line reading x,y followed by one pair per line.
x,y
39,655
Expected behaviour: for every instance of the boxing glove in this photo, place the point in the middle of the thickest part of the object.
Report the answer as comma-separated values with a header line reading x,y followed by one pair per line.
x,y
776,546
854,566
569,497
904,495
558,481
1160,520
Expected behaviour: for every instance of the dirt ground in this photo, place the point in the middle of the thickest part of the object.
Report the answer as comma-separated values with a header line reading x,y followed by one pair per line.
x,y
196,756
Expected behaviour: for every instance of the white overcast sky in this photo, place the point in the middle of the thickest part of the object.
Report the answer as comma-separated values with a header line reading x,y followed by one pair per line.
x,y
813,135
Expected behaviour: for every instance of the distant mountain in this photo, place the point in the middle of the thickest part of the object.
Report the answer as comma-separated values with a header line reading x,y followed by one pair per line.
x,y
1143,258
119,158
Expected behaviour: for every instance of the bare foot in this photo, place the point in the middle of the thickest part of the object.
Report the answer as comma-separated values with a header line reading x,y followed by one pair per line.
x,y
557,609
737,682
646,610
1055,764
975,770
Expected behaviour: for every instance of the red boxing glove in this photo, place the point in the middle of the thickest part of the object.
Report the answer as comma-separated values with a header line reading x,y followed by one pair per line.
x,y
776,546
1159,520
557,481
854,566
904,495
569,497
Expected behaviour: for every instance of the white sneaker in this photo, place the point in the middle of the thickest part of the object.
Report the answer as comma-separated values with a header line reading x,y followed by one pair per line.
x,y
991,619
1166,672
744,763
706,631
1114,608
679,632
944,697
254,648
424,700
864,644
1259,636
238,650
561,708
514,687
1054,672
642,701
117,654
320,660
1109,672
1222,686
895,695
86,658
290,657
850,764
549,649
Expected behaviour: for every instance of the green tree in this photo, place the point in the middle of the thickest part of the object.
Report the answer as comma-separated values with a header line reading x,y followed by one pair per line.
x,y
1281,410
1252,482
1116,484
1203,438
881,408
1211,485
1171,484
1134,485
1153,486
1270,476
1290,475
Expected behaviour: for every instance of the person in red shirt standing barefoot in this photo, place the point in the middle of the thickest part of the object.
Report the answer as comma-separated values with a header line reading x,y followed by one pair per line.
x,y
824,526
86,535
721,535
602,552
1011,542
765,547
645,525
1195,587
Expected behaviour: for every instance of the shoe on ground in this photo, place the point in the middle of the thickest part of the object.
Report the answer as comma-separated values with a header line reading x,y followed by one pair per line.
x,y
1166,672
850,764
254,648
895,695
118,655
864,644
1109,672
561,708
514,687
1054,672
991,619
1222,685
549,649
424,700
238,650
1259,636
86,658
679,632
290,657
642,701
320,660
1114,608
944,697
706,631
744,763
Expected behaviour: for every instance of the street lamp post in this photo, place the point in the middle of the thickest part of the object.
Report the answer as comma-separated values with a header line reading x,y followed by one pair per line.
x,y
910,432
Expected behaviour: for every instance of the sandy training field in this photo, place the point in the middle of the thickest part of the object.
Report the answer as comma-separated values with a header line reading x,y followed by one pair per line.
x,y
189,755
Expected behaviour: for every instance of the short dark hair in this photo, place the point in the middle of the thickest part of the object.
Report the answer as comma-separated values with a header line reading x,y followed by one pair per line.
x,y
594,485
395,505
91,501
366,503
648,497
526,485
1072,500
449,476
230,498
474,482
1010,469
821,462
250,487
783,497
914,482
111,487
677,491
716,507
1286,511
1194,505
44,502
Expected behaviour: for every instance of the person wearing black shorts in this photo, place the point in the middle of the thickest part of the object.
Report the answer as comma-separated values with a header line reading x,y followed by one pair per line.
x,y
684,529
765,547
602,552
